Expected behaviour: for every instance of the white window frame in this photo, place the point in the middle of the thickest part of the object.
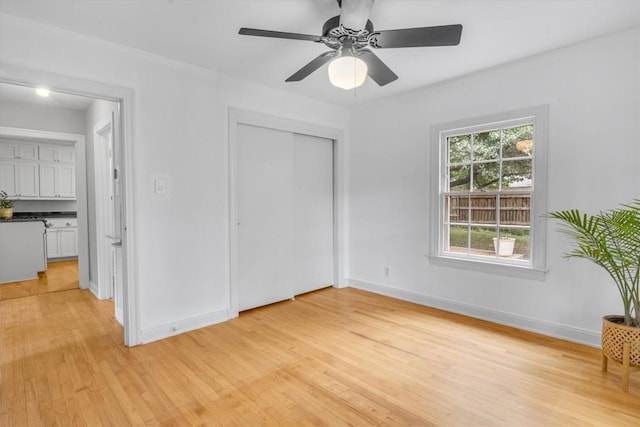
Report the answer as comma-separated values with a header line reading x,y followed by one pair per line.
x,y
535,267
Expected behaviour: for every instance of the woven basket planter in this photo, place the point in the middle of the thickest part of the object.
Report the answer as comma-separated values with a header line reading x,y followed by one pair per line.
x,y
6,213
621,344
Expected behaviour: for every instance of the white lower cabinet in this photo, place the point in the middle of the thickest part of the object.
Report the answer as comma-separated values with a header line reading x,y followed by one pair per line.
x,y
62,237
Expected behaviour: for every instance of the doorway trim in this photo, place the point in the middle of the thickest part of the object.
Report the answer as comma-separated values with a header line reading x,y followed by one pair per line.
x,y
23,76
238,117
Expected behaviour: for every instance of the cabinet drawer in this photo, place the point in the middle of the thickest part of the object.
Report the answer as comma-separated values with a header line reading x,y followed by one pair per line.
x,y
62,222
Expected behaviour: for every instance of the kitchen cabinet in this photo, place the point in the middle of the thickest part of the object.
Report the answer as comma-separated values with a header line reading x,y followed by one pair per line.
x,y
57,181
20,179
57,154
13,150
21,250
62,237
37,171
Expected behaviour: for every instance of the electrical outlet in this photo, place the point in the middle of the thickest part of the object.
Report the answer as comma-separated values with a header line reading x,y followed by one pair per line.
x,y
386,271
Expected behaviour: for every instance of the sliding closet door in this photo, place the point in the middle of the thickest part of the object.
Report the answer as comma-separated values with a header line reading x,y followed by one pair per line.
x,y
265,216
284,215
313,213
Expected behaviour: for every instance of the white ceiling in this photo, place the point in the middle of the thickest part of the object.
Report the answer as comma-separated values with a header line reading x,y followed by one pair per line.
x,y
205,33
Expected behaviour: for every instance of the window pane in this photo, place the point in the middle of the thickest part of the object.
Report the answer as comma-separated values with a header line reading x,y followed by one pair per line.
x,y
517,142
486,176
517,175
486,145
458,209
483,209
519,238
458,239
515,209
482,240
459,149
459,178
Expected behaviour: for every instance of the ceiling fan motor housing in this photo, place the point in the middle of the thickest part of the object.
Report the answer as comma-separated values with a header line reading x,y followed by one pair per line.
x,y
331,28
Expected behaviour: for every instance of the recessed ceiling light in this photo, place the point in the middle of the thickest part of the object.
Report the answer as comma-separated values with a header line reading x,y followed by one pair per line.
x,y
43,92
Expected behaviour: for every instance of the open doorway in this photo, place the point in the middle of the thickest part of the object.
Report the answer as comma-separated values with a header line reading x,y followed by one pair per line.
x,y
43,173
96,206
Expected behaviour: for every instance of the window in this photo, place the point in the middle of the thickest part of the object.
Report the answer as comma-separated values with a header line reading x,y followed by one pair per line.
x,y
490,193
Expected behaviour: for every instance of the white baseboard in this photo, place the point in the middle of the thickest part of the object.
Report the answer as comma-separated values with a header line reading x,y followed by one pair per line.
x,y
120,316
182,325
569,333
93,287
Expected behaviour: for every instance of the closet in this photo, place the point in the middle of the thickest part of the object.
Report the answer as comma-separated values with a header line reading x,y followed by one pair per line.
x,y
284,218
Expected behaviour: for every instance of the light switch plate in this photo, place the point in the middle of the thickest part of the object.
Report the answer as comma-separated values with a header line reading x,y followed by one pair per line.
x,y
161,186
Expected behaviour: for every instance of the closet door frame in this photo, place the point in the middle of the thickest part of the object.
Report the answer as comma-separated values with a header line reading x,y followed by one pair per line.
x,y
240,116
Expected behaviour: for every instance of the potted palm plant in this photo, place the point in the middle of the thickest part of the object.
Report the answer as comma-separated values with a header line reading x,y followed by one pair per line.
x,y
6,206
611,239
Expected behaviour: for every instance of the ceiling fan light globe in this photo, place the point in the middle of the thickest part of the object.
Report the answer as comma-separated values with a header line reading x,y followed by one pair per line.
x,y
347,72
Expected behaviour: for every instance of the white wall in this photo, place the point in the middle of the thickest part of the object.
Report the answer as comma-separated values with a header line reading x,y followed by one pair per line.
x,y
180,134
41,117
593,90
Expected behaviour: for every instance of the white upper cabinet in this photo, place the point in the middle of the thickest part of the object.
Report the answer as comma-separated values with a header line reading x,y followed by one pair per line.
x,y
57,181
57,154
37,171
8,178
11,150
28,183
19,179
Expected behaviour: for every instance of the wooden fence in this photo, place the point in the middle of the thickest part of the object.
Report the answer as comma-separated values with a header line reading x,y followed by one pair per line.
x,y
515,209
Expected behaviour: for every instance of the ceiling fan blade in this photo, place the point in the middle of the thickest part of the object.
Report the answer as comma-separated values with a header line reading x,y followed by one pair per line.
x,y
445,35
376,69
318,62
278,34
354,14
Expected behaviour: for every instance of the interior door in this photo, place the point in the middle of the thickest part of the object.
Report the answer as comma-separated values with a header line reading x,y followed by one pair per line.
x,y
313,213
265,216
118,226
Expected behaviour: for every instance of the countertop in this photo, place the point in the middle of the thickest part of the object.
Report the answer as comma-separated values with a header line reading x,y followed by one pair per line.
x,y
14,219
37,216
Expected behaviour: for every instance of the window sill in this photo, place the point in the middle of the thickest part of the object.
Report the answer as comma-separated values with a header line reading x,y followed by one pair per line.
x,y
518,271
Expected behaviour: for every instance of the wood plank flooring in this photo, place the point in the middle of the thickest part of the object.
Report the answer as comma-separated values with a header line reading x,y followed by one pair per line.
x,y
60,276
332,357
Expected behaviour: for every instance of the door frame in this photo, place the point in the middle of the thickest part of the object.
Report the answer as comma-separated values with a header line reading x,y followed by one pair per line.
x,y
23,76
239,116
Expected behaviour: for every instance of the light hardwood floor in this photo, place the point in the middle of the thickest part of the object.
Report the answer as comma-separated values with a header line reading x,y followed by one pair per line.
x,y
60,276
332,357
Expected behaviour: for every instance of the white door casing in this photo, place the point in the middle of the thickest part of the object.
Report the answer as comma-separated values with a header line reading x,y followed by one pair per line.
x,y
15,74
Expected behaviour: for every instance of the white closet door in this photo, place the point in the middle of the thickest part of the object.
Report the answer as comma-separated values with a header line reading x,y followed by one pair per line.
x,y
313,213
265,215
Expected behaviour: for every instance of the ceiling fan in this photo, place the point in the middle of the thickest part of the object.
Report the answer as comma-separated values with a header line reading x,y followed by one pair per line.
x,y
350,37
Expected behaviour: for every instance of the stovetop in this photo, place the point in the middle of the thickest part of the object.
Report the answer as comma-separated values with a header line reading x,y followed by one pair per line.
x,y
42,215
